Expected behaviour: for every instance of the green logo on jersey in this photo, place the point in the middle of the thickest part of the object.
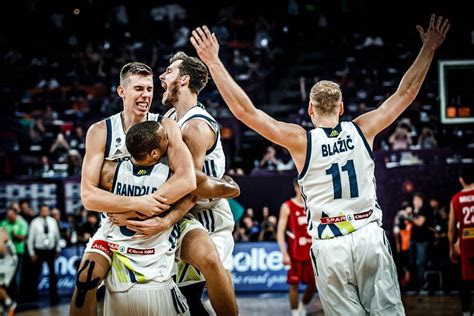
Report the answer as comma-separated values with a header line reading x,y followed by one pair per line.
x,y
334,133
141,172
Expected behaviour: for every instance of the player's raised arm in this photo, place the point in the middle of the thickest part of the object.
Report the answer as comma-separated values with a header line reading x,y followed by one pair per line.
x,y
290,136
97,199
373,122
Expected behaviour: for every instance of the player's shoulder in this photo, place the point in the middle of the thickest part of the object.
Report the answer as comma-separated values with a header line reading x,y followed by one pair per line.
x,y
97,128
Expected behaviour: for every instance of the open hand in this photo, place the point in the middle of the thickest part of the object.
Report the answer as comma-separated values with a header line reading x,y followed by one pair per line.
x,y
436,32
206,45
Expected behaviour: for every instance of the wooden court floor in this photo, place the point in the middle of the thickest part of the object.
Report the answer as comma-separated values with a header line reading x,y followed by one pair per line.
x,y
277,305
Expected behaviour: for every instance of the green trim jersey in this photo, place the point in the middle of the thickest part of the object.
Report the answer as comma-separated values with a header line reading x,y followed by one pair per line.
x,y
338,182
214,161
138,260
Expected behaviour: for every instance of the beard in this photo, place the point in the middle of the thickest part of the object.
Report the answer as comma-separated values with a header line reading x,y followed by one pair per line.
x,y
172,98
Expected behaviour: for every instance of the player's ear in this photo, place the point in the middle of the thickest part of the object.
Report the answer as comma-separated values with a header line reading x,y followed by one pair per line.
x,y
341,108
310,109
184,80
121,91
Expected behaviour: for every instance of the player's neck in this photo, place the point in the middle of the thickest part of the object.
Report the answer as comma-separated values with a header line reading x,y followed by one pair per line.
x,y
468,187
326,121
142,163
130,119
186,101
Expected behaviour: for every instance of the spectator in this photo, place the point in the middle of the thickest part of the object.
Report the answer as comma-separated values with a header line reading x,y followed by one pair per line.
x,y
400,139
268,229
26,211
88,229
60,148
402,233
251,228
43,246
16,229
426,140
421,236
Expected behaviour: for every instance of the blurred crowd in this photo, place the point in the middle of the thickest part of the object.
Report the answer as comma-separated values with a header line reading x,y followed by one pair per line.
x,y
38,237
58,87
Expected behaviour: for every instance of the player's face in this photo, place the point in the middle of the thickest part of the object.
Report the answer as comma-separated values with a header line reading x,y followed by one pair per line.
x,y
137,94
170,82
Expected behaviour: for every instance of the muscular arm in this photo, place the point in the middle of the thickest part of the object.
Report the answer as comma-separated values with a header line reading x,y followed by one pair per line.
x,y
281,229
213,188
157,224
95,198
290,136
373,122
183,180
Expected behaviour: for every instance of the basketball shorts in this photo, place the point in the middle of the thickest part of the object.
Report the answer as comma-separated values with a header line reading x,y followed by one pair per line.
x,y
98,244
467,268
356,274
219,223
301,272
152,298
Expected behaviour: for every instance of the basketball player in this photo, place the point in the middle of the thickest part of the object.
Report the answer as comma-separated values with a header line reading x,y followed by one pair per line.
x,y
106,140
140,280
354,269
183,80
462,212
293,223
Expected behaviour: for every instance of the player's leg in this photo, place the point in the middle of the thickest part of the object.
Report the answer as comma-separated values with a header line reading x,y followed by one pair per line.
x,y
193,294
198,250
376,272
92,270
466,285
336,281
293,280
308,279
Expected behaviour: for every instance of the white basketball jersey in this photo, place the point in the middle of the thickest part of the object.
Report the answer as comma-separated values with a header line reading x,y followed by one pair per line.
x,y
214,161
139,260
115,145
338,182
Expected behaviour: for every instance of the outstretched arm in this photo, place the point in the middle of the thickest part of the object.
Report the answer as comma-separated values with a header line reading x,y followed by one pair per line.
x,y
373,122
290,136
213,188
97,199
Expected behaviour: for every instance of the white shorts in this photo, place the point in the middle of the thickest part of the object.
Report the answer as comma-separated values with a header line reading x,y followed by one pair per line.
x,y
356,274
219,223
98,244
152,298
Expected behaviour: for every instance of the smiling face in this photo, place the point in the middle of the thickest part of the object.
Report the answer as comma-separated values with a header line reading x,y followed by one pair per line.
x,y
136,92
170,81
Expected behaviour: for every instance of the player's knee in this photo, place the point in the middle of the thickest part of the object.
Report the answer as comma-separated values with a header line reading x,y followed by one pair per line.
x,y
91,272
210,262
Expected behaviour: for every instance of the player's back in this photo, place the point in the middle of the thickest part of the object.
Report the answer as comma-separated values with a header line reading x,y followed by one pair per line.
x,y
463,205
337,181
143,259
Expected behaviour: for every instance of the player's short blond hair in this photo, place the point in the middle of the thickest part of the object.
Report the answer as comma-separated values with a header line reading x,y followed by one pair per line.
x,y
134,68
326,96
